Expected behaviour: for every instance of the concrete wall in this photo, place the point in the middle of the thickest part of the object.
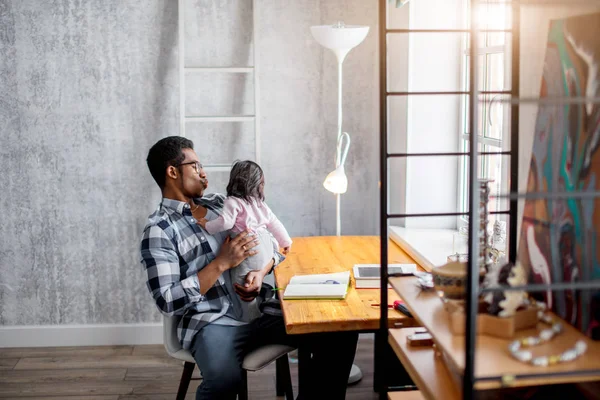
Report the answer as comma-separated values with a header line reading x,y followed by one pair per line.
x,y
86,87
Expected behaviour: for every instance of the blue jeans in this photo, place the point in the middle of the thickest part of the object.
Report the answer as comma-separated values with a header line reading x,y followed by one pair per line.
x,y
219,351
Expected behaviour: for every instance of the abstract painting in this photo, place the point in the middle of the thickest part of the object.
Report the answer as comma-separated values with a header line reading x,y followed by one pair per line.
x,y
559,236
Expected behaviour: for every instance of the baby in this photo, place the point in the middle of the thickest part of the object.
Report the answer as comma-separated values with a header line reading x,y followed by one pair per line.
x,y
245,209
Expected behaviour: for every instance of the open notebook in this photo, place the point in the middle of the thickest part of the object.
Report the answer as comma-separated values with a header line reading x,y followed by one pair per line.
x,y
318,286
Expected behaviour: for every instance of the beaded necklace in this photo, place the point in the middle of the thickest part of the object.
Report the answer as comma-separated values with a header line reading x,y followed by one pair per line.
x,y
544,336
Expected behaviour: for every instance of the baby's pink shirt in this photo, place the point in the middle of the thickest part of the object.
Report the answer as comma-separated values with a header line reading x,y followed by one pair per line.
x,y
239,215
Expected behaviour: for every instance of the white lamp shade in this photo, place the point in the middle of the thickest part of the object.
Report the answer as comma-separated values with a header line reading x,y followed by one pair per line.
x,y
339,39
336,182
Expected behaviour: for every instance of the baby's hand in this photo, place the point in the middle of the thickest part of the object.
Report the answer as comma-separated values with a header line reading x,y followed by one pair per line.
x,y
202,222
287,249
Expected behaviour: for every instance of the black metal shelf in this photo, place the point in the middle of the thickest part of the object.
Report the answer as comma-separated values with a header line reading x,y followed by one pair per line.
x,y
446,31
481,153
448,214
446,93
472,289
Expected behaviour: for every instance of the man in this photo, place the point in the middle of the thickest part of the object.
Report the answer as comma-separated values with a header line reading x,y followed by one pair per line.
x,y
189,276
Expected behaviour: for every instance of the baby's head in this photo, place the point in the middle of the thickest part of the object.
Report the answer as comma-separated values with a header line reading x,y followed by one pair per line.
x,y
246,181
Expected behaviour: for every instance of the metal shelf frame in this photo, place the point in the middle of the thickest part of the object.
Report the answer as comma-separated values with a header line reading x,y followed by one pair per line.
x,y
514,99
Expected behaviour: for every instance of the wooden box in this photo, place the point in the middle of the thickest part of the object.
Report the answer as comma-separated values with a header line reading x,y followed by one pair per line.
x,y
503,327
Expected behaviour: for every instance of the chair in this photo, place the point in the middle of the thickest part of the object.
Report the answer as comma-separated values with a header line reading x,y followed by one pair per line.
x,y
254,361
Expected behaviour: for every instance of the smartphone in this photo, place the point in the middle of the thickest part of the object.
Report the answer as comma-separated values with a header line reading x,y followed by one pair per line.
x,y
420,339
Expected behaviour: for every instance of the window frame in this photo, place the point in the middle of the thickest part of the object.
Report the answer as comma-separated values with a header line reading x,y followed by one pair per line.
x,y
500,145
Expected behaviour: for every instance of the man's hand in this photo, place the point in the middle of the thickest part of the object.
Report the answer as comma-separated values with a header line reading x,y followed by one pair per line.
x,y
202,222
251,287
287,249
253,283
234,251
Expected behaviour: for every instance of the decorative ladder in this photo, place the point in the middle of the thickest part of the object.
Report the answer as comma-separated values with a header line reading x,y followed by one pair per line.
x,y
183,118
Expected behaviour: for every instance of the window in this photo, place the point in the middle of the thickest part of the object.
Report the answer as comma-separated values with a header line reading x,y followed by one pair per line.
x,y
493,63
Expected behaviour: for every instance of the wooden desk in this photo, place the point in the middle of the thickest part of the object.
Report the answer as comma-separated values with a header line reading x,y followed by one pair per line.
x,y
324,254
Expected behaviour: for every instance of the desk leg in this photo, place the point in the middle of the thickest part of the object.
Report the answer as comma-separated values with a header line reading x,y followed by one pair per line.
x,y
389,373
303,368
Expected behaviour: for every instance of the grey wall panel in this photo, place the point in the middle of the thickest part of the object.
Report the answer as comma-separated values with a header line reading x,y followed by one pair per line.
x,y
222,142
87,87
219,93
298,99
218,33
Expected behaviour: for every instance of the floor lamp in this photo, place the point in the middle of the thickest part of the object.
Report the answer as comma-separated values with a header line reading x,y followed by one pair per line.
x,y
341,39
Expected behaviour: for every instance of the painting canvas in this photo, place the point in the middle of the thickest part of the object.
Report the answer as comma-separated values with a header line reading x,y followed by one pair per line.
x,y
559,237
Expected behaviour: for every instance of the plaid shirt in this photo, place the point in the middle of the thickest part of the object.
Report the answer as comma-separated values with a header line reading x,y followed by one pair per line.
x,y
174,248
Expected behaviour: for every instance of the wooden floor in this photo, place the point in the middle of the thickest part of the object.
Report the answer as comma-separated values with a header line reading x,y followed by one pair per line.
x,y
130,373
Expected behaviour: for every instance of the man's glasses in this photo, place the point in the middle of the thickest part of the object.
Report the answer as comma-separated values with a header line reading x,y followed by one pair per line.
x,y
197,165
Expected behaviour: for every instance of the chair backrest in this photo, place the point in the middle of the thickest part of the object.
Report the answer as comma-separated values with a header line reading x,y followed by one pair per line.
x,y
170,339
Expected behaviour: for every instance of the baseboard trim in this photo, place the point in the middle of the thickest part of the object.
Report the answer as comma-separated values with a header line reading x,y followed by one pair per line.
x,y
80,335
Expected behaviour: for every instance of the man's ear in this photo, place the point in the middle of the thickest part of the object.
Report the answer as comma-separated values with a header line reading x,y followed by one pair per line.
x,y
172,172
